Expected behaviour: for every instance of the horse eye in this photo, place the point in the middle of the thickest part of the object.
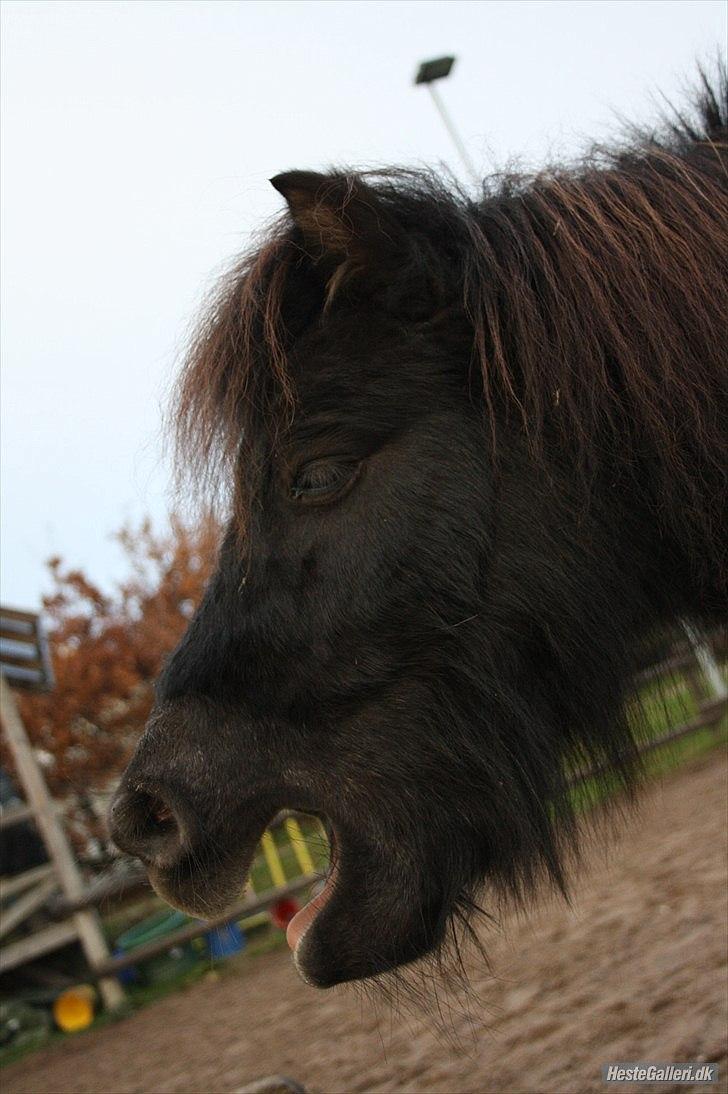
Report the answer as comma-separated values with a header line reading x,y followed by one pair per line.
x,y
322,479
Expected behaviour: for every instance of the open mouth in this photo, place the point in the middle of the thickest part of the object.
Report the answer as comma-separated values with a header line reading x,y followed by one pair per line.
x,y
197,885
376,908
367,914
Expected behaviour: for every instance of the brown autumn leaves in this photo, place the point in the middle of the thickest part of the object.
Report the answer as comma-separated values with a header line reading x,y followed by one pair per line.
x,y
107,649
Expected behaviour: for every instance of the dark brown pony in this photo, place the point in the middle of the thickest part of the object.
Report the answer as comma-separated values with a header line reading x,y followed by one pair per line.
x,y
476,456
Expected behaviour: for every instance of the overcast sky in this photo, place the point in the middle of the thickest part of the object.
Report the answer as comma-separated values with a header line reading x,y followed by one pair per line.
x,y
137,140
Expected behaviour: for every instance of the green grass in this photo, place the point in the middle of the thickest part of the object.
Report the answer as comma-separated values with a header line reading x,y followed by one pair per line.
x,y
658,708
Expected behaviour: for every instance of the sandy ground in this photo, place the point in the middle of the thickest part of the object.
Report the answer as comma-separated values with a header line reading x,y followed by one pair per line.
x,y
634,970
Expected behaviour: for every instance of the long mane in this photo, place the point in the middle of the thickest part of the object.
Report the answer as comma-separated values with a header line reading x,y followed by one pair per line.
x,y
597,296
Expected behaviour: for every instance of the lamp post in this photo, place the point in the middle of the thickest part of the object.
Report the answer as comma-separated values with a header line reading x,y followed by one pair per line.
x,y
428,73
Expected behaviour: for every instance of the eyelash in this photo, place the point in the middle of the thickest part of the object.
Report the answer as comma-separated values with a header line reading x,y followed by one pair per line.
x,y
333,478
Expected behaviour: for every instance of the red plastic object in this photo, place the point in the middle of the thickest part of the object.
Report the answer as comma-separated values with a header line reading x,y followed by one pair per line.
x,y
283,911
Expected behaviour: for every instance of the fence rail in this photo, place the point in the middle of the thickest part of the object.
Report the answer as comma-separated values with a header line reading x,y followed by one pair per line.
x,y
196,929
710,713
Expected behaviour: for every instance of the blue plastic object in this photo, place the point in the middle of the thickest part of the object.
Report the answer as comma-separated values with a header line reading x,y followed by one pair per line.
x,y
129,975
225,941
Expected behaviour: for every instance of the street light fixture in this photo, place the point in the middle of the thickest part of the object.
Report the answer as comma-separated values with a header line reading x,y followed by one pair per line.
x,y
427,74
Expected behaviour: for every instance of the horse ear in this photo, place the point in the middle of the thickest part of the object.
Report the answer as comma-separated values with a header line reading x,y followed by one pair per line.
x,y
340,216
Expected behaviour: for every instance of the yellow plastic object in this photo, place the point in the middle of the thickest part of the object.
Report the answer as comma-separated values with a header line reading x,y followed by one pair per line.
x,y
73,1010
275,866
300,848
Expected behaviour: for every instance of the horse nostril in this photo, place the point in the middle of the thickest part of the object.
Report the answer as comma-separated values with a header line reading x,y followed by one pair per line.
x,y
148,826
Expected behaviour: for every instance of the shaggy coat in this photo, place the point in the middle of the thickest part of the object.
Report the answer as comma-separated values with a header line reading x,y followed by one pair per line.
x,y
475,455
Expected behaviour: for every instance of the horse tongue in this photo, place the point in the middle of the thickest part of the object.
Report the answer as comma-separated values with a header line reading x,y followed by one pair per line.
x,y
302,920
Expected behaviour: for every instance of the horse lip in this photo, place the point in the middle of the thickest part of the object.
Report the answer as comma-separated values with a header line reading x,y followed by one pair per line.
x,y
201,884
200,892
208,879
